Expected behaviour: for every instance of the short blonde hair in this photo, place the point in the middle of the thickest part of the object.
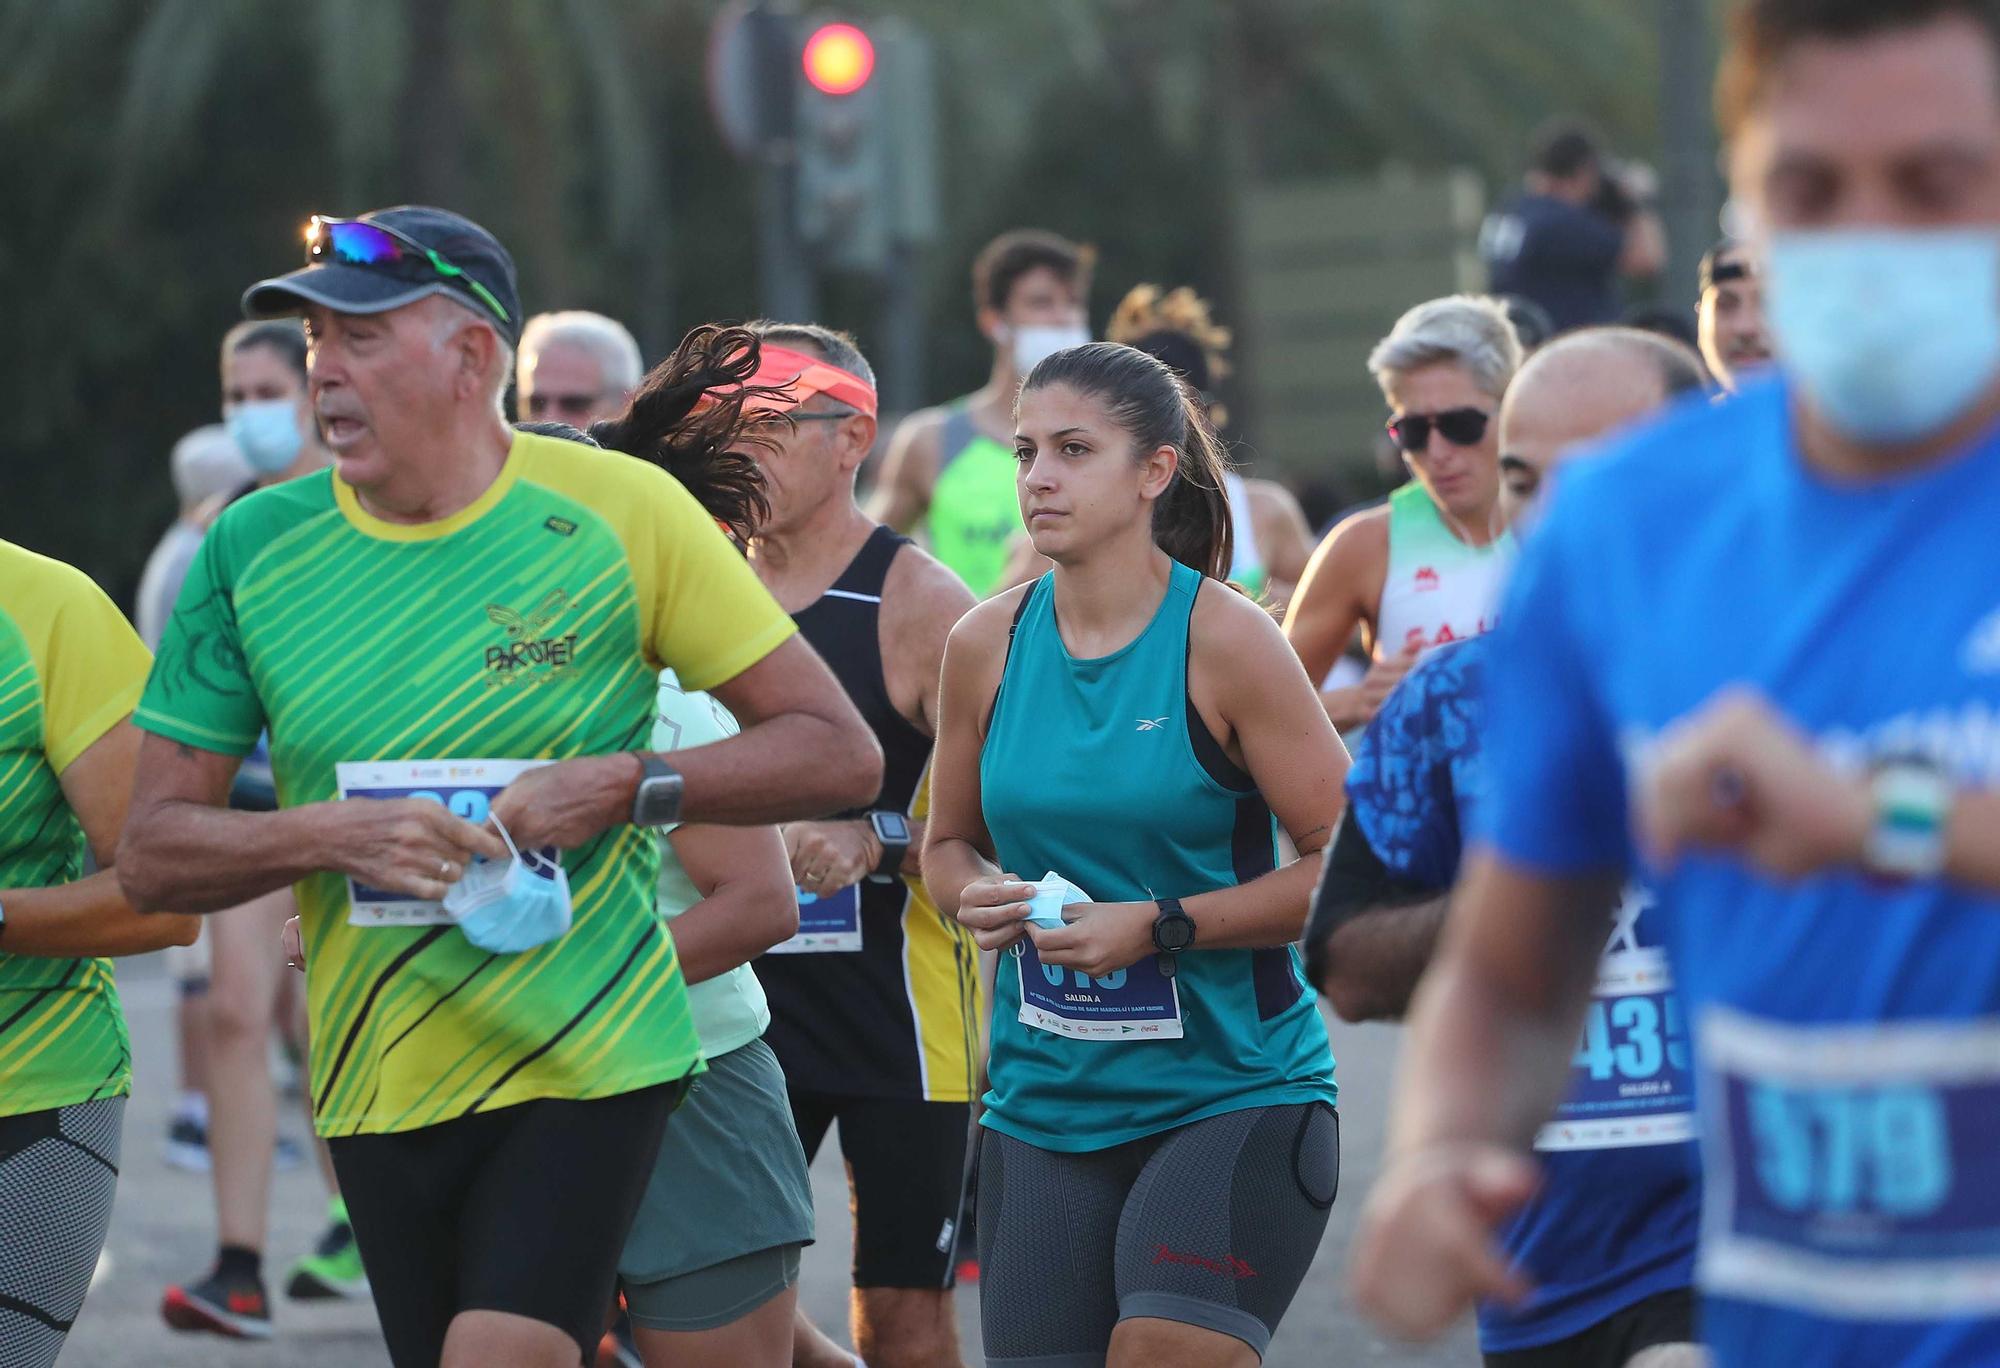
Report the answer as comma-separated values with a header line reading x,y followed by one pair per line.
x,y
1470,330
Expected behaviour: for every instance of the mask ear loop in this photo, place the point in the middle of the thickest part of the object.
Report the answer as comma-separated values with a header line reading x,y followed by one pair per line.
x,y
501,827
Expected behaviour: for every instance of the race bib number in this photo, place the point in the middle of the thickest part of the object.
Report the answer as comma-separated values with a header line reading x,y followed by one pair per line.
x,y
1630,1081
1848,1168
1134,1003
825,924
467,787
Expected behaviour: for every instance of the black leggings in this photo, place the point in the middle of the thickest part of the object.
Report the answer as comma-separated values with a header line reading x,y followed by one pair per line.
x,y
1213,1224
522,1210
58,1173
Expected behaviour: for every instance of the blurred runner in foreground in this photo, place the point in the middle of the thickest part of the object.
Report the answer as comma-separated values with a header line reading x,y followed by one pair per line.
x,y
1821,545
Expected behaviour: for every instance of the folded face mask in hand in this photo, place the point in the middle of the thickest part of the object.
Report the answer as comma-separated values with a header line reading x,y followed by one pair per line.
x,y
1052,894
505,907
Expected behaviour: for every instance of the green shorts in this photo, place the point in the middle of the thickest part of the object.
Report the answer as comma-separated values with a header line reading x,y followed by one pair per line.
x,y
730,1182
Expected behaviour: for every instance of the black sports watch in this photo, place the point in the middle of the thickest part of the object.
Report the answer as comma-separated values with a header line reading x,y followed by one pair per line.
x,y
1173,932
658,799
892,829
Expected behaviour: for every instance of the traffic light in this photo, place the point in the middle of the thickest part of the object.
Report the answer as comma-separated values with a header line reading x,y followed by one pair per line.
x,y
866,173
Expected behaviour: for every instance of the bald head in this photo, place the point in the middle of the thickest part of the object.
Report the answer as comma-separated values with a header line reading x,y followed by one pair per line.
x,y
1578,388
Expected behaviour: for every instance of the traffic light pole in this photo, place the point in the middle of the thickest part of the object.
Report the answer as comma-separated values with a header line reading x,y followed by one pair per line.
x,y
785,278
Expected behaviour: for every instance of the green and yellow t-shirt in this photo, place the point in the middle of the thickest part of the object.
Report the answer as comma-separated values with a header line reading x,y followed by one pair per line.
x,y
71,669
530,625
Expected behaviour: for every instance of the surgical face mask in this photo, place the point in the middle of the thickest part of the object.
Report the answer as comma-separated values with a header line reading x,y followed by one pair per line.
x,y
1892,333
1035,344
511,906
268,432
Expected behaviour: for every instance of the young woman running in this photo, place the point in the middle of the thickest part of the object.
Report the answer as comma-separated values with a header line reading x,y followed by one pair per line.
x,y
1161,1149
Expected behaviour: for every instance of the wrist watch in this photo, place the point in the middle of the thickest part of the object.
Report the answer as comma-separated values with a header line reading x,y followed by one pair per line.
x,y
1912,797
892,829
1173,932
658,799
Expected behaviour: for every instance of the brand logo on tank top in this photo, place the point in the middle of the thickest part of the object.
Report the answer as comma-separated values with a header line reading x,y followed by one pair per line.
x,y
1418,638
1427,579
1151,724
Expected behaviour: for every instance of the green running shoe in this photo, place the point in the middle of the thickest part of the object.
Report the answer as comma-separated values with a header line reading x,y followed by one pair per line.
x,y
333,1269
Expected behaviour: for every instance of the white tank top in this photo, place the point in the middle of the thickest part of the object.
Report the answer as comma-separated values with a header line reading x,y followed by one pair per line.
x,y
1438,589
1246,566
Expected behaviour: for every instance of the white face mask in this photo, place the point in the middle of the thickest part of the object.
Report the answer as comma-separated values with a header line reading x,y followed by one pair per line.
x,y
1036,343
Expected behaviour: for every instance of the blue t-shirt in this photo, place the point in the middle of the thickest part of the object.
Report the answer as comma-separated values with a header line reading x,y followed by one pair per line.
x,y
1614,1221
1561,255
1847,1031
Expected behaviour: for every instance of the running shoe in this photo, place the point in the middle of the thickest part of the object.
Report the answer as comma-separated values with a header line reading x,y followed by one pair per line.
x,y
187,1145
232,1305
333,1269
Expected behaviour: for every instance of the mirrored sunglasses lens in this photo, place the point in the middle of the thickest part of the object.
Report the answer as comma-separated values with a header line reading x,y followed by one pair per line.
x,y
361,244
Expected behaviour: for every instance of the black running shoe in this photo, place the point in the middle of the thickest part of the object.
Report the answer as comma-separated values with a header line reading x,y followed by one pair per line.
x,y
233,1306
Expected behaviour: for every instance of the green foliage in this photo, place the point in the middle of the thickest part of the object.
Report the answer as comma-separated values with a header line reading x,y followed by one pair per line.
x,y
159,155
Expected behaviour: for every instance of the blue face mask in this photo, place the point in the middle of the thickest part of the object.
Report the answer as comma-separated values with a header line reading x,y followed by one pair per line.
x,y
511,906
1892,333
268,433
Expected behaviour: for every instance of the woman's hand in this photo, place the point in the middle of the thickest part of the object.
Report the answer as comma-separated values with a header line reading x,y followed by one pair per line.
x,y
993,907
1099,938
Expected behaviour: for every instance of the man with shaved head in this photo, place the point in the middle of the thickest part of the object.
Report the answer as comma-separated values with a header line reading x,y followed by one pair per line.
x,y
1608,1241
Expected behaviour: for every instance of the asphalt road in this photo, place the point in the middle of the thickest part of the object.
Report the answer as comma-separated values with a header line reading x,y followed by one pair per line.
x,y
163,1232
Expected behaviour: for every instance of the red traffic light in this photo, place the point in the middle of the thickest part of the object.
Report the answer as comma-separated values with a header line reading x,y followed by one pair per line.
x,y
839,59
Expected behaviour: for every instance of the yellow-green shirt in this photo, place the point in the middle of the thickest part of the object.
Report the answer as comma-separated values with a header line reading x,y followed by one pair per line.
x,y
71,669
531,625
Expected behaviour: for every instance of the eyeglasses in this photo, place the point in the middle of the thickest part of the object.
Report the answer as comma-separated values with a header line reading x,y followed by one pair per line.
x,y
575,405
360,242
1459,426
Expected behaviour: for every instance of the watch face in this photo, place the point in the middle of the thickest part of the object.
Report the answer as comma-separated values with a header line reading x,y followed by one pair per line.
x,y
891,827
1174,932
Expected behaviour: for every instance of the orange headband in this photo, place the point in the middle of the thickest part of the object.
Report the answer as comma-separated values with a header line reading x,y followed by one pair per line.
x,y
804,376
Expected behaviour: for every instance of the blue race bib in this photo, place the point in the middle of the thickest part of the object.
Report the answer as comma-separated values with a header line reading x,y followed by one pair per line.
x,y
1850,1167
1630,1081
1134,1003
826,924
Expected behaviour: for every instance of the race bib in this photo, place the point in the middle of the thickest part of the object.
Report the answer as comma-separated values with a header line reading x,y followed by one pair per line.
x,y
1134,1003
1630,1082
1849,1168
825,924
467,787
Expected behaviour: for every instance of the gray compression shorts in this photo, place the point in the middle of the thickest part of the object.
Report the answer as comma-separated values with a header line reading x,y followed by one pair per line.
x,y
1212,1224
58,1173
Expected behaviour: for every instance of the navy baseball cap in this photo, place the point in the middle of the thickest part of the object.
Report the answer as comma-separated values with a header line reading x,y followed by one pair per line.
x,y
391,257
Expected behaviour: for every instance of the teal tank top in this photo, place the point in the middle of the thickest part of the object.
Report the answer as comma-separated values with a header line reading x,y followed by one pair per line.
x,y
1101,771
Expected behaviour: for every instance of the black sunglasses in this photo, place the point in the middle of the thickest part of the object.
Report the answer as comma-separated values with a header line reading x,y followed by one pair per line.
x,y
1459,426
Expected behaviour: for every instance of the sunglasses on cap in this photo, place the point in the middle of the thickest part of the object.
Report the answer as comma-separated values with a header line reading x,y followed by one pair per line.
x,y
1459,426
360,242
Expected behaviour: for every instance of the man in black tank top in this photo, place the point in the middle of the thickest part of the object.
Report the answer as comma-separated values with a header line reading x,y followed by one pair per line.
x,y
876,1004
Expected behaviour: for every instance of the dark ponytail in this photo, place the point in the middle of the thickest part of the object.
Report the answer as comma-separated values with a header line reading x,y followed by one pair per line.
x,y
668,423
1156,407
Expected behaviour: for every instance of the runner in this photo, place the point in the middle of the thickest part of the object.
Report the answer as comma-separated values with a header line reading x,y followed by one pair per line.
x,y
951,469
480,1029
1422,569
1161,1150
70,670
576,367
1609,1236
875,1004
265,407
1845,1009
1271,539
1735,339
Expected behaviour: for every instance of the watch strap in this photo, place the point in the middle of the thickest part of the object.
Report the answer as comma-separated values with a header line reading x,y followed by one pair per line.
x,y
890,866
1912,803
